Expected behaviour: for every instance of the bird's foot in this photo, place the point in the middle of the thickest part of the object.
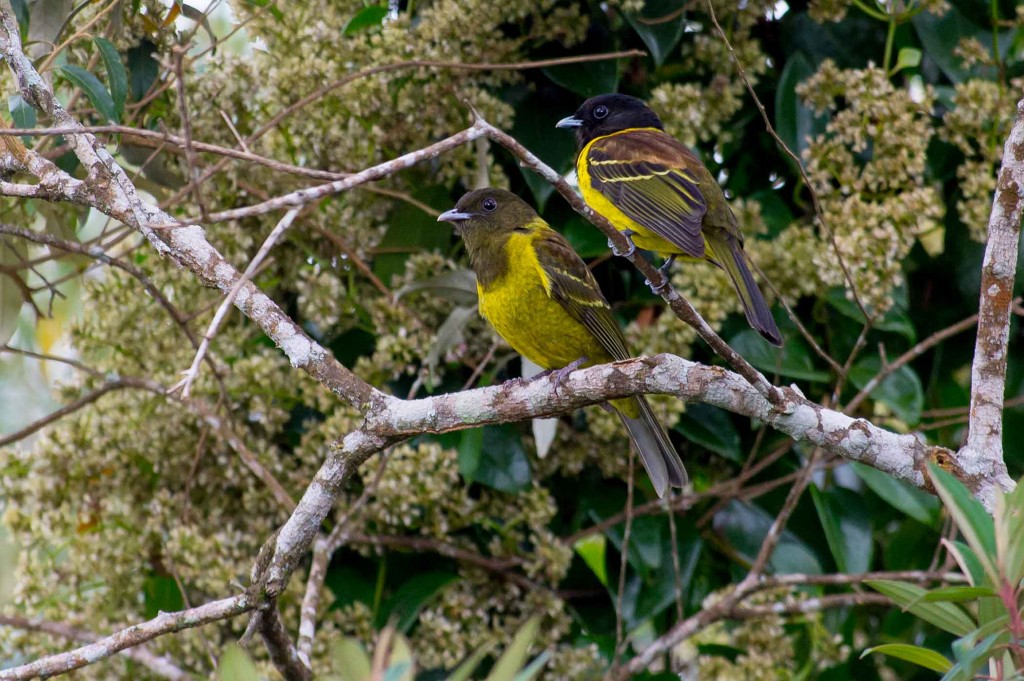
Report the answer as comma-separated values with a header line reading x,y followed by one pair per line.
x,y
561,374
632,247
663,271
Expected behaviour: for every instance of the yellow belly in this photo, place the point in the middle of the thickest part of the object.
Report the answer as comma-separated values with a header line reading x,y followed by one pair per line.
x,y
642,237
519,308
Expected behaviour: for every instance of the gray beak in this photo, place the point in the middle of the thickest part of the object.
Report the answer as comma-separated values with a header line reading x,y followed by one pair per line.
x,y
453,216
569,122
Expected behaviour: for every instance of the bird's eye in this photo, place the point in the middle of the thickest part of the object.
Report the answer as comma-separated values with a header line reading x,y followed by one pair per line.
x,y
490,205
600,111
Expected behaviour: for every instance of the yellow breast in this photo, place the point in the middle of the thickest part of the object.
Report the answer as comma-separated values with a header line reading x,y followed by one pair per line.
x,y
520,308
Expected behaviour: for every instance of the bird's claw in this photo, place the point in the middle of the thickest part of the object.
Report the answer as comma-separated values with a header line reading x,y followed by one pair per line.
x,y
663,271
561,374
632,247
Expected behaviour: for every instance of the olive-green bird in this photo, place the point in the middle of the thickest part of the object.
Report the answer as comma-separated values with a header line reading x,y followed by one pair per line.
x,y
658,193
540,297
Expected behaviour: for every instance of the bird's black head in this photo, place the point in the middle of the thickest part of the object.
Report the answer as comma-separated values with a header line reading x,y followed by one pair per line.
x,y
489,216
605,114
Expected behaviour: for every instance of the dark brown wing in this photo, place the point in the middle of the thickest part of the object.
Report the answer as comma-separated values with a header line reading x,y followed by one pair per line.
x,y
655,181
575,288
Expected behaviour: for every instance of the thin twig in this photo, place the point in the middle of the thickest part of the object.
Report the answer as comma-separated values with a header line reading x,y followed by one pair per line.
x,y
178,55
620,639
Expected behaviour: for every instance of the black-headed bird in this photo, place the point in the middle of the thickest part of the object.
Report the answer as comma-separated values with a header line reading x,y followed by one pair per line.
x,y
658,193
542,299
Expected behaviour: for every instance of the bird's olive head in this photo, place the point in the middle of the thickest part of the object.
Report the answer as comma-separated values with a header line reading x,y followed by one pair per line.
x,y
489,216
605,114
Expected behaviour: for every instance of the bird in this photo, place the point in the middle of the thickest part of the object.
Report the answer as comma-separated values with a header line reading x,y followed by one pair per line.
x,y
538,294
656,192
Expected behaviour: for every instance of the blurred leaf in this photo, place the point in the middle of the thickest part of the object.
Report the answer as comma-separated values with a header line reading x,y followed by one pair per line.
x,y
796,122
23,114
908,58
971,656
411,230
895,320
270,5
349,660
968,562
161,594
586,239
459,286
847,525
945,616
711,427
494,456
970,517
21,11
919,505
588,79
117,77
745,525
901,390
46,19
1009,528
93,89
8,566
368,17
236,665
923,657
534,128
411,597
10,294
544,431
531,670
142,68
400,663
646,541
511,661
792,360
449,335
660,24
466,669
592,550
941,35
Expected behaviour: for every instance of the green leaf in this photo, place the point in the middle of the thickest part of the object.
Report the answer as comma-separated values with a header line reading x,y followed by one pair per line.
x,y
585,239
796,122
971,656
466,669
968,562
956,594
236,665
970,517
10,294
586,80
592,550
901,390
497,459
660,24
411,230
93,89
270,5
23,114
142,68
400,664
349,660
793,360
21,11
908,58
745,525
945,616
449,335
847,525
917,504
511,661
161,594
941,35
411,597
534,128
711,427
368,17
923,657
117,77
531,670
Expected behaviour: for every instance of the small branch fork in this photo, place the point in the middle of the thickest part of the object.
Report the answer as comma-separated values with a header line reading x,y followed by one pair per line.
x,y
389,420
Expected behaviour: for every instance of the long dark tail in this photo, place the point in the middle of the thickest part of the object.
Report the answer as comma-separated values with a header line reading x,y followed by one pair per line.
x,y
656,451
728,253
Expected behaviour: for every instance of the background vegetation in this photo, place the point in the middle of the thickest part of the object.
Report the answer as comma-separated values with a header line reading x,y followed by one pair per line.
x,y
136,504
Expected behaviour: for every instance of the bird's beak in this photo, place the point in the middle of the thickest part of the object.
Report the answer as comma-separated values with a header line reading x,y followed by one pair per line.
x,y
453,216
569,122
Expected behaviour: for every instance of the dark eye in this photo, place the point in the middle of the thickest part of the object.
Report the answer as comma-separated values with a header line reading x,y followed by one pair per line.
x,y
600,111
490,205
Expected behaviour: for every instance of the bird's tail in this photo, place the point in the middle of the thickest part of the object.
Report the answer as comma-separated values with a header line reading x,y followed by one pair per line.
x,y
728,253
656,451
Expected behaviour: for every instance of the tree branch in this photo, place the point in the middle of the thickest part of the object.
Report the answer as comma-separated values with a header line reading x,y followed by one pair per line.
x,y
983,455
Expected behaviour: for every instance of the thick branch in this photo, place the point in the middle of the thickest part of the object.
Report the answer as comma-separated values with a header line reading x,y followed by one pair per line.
x,y
983,455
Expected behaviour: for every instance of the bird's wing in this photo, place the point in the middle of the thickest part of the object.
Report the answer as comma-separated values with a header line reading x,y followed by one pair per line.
x,y
574,287
655,181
